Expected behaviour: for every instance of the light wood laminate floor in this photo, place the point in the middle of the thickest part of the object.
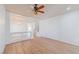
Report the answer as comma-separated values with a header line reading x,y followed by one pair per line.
x,y
40,45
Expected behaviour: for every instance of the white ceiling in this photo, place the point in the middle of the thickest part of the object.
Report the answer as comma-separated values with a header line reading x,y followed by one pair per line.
x,y
51,10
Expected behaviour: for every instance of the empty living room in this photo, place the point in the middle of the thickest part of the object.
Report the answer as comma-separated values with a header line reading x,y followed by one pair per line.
x,y
39,28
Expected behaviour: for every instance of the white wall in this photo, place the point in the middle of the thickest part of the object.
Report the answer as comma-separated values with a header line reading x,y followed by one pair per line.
x,y
48,28
64,28
69,29
2,28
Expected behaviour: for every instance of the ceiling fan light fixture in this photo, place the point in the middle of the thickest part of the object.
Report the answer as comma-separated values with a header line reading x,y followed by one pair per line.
x,y
38,9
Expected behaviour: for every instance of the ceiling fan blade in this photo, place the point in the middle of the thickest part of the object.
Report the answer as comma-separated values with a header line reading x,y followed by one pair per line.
x,y
41,7
41,11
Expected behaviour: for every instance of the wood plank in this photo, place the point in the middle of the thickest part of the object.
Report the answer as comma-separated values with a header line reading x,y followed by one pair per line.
x,y
41,45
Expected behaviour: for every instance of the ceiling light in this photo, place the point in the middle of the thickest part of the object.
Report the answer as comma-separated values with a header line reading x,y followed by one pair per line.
x,y
68,8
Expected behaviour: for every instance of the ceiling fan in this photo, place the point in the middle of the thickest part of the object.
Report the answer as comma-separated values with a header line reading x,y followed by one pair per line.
x,y
38,9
